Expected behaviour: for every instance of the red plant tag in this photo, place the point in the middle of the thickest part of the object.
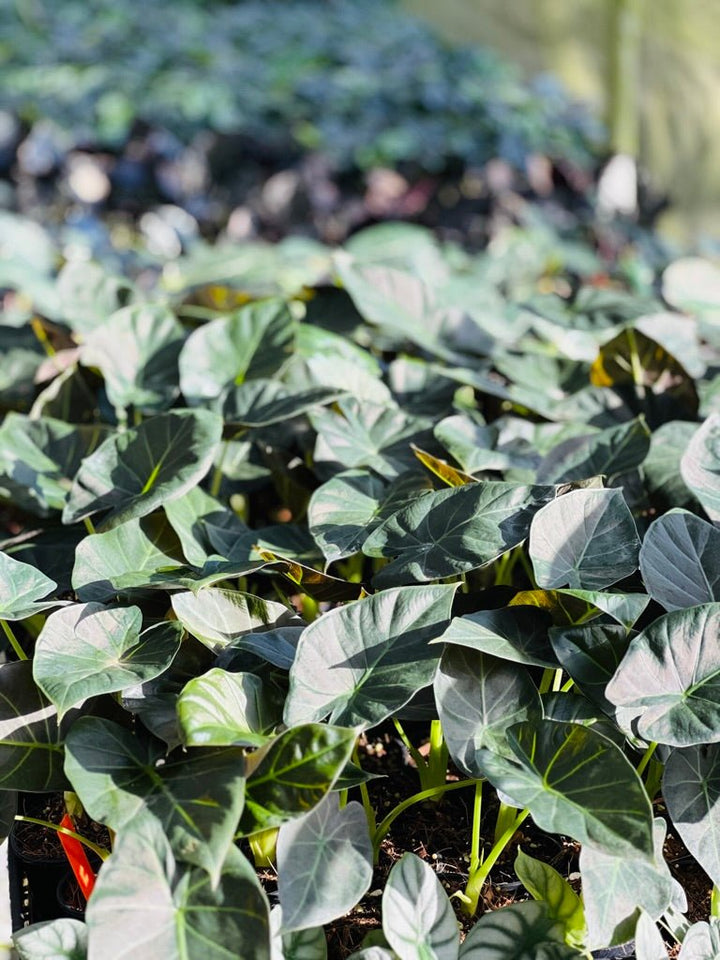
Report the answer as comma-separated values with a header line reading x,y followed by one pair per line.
x,y
77,858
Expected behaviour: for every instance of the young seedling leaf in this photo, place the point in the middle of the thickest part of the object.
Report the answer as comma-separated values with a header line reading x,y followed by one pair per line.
x,y
325,864
361,662
418,920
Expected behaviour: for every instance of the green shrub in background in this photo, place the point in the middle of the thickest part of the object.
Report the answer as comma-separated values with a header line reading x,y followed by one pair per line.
x,y
364,82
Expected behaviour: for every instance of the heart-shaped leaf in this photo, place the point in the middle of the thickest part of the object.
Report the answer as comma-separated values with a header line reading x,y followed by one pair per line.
x,y
361,662
571,779
680,560
418,920
478,697
649,944
136,349
39,458
145,905
293,773
700,465
218,617
702,941
196,798
670,678
133,473
254,341
591,653
126,558
453,531
221,709
262,403
325,864
358,434
609,452
586,539
341,510
615,888
519,634
87,649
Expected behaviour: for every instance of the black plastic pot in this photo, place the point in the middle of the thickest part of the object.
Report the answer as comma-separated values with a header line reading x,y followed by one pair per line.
x,y
33,877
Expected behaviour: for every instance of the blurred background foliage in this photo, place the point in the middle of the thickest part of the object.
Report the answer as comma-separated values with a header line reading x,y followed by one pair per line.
x,y
676,77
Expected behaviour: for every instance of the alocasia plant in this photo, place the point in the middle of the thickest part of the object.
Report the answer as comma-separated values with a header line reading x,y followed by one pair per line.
x,y
242,566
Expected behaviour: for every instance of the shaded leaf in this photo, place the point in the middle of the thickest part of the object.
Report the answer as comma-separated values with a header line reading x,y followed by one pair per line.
x,y
122,780
517,633
325,864
453,531
680,560
545,884
691,790
219,617
586,539
523,931
292,774
62,939
700,465
478,698
21,588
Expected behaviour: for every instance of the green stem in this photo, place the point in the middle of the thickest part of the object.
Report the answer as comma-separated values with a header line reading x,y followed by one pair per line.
x,y
546,680
438,757
475,852
14,642
557,680
647,756
503,570
365,797
89,525
100,851
217,476
471,897
264,846
715,902
382,829
411,748
505,818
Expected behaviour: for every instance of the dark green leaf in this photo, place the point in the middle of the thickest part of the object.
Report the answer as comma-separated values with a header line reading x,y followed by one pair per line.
x,y
133,473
